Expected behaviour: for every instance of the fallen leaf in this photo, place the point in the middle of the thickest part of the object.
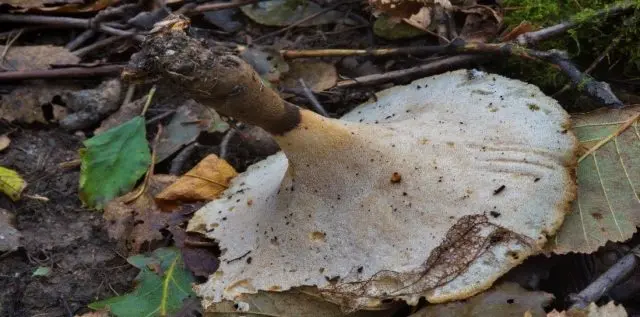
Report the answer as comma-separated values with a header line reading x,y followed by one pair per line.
x,y
506,299
42,271
386,28
25,104
405,8
11,183
135,219
190,119
422,19
59,6
9,236
267,61
36,57
608,310
607,205
112,162
126,112
287,12
318,76
4,142
162,286
202,183
200,254
482,24
299,302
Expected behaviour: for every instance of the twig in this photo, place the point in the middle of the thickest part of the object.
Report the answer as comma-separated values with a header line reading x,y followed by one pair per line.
x,y
435,67
152,92
98,44
530,38
312,98
606,281
593,65
8,46
65,22
225,143
221,6
129,95
83,37
303,20
182,157
61,73
411,50
160,117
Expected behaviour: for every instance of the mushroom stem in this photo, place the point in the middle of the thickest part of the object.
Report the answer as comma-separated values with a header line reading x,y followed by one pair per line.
x,y
221,81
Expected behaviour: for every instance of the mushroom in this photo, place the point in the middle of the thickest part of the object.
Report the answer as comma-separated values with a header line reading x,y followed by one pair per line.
x,y
434,190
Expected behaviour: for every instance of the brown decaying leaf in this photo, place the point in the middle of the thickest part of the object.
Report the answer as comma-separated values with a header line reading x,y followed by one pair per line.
x,y
140,220
36,57
199,254
318,76
4,142
61,6
608,310
482,24
202,183
506,299
24,104
190,119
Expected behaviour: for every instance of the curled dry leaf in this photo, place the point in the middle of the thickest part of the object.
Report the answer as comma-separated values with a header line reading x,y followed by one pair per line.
x,y
607,205
36,57
608,310
505,299
11,183
375,206
206,181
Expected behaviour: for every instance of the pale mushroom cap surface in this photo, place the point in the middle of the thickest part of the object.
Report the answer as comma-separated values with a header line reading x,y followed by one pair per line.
x,y
435,190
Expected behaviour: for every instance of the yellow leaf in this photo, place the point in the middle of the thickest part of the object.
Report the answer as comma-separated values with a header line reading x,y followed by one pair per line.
x,y
204,182
11,183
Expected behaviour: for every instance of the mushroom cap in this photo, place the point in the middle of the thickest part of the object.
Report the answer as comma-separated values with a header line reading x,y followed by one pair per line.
x,y
435,190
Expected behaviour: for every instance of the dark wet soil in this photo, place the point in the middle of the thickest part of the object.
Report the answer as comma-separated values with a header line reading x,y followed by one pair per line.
x,y
59,234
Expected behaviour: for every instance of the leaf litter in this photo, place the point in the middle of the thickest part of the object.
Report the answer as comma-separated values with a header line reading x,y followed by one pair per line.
x,y
199,254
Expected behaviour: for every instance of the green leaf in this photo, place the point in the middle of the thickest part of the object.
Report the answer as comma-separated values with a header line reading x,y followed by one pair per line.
x,y
161,287
112,162
11,183
608,204
42,271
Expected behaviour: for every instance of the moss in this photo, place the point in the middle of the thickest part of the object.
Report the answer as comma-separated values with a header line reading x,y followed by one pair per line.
x,y
533,107
585,43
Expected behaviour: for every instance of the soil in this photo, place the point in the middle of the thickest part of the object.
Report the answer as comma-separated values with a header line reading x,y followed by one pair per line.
x,y
59,234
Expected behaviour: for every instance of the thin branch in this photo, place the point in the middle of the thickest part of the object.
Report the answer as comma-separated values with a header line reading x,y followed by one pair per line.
x,y
83,37
55,21
431,68
530,38
312,98
606,281
98,44
178,162
224,144
221,6
62,73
